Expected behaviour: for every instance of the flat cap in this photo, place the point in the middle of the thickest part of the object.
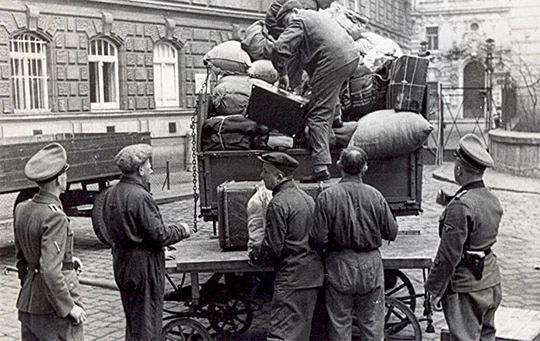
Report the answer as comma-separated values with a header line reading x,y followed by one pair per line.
x,y
284,162
46,164
286,8
473,152
130,158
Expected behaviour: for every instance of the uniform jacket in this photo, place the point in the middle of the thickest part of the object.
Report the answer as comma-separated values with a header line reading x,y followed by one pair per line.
x,y
44,241
352,216
469,222
317,42
289,218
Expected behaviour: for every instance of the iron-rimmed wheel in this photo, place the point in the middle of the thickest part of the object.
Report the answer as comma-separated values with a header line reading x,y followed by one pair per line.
x,y
185,329
231,317
400,323
399,286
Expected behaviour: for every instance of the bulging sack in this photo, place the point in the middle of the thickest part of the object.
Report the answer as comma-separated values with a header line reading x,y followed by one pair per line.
x,y
263,69
227,58
387,133
231,95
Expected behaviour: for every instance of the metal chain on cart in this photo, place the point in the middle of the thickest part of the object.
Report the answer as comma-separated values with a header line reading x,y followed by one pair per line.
x,y
193,126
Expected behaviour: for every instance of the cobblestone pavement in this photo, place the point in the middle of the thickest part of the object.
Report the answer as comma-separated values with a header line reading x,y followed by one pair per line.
x,y
518,242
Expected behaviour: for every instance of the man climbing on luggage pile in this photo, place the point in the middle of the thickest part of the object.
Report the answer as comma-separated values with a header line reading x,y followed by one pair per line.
x,y
327,53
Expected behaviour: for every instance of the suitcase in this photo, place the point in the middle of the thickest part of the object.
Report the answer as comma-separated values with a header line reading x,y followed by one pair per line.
x,y
277,109
407,87
232,200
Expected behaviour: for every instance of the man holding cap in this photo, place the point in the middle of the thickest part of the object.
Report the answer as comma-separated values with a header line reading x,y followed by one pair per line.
x,y
299,269
328,54
139,236
49,303
465,276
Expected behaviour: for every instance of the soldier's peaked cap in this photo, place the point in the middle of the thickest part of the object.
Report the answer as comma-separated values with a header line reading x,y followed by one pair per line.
x,y
49,162
284,162
473,152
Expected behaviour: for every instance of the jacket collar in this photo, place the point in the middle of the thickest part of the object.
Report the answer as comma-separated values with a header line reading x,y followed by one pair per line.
x,y
471,185
44,197
132,178
283,185
351,178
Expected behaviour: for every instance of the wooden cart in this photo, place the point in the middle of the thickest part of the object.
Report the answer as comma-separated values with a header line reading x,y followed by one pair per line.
x,y
231,311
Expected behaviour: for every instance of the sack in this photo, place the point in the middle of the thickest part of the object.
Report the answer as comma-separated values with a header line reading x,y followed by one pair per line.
x,y
258,43
351,21
231,95
367,91
234,132
227,58
263,69
385,51
387,133
368,41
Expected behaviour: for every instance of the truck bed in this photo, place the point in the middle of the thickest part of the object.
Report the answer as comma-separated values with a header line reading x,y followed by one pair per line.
x,y
89,155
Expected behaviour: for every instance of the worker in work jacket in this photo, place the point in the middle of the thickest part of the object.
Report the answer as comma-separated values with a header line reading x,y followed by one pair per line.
x,y
328,54
465,276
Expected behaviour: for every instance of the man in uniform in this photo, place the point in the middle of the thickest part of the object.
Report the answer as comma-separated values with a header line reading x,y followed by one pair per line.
x,y
328,54
351,219
299,269
465,276
139,236
49,303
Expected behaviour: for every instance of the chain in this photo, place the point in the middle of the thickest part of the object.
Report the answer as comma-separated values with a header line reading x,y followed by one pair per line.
x,y
194,155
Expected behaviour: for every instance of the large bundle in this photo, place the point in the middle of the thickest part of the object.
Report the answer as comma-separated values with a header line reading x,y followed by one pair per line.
x,y
234,132
263,69
368,41
380,54
387,133
367,91
227,58
231,95
258,43
351,21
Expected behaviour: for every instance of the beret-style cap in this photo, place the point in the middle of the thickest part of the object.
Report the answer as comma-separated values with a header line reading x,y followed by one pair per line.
x,y
286,8
46,164
130,158
473,152
284,162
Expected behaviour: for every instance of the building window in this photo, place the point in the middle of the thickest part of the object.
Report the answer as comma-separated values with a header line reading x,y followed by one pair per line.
x,y
166,75
103,59
432,37
28,57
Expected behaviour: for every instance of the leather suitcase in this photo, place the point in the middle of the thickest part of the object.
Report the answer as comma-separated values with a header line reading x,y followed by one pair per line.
x,y
277,109
407,87
233,197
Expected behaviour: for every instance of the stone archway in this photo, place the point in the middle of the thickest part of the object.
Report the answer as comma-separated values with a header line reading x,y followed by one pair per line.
x,y
473,90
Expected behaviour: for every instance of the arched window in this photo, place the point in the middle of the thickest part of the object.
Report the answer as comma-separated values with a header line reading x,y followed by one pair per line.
x,y
166,75
103,60
28,59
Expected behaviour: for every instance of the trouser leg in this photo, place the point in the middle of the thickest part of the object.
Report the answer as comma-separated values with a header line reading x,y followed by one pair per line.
x,y
339,307
324,99
488,327
370,314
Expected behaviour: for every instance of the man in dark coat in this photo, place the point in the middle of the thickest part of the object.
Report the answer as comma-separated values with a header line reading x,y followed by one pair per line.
x,y
465,276
139,236
299,269
328,54
49,303
351,220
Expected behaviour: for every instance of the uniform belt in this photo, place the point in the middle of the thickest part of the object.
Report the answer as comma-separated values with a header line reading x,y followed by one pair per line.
x,y
35,267
486,251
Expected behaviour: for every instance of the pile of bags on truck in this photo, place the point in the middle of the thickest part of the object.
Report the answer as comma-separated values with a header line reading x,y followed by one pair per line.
x,y
380,103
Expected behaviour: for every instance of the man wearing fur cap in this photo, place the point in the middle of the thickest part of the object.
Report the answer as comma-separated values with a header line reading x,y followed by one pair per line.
x,y
139,236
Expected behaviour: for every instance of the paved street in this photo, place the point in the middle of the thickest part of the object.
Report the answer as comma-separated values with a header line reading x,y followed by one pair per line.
x,y
519,240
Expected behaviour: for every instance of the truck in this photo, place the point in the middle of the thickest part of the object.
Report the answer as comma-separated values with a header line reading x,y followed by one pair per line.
x,y
92,168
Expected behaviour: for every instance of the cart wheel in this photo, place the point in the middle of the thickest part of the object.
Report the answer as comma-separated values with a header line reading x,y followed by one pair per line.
x,y
97,219
231,317
400,322
185,329
398,285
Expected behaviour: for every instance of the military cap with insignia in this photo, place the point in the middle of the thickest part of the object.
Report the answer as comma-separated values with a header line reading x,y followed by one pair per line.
x,y
284,162
473,152
130,158
47,163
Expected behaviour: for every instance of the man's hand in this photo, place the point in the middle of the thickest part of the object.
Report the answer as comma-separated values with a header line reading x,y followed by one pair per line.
x,y
187,230
78,314
443,198
283,82
436,304
77,265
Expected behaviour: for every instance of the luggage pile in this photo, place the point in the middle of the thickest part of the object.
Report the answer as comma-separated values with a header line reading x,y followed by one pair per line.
x,y
380,103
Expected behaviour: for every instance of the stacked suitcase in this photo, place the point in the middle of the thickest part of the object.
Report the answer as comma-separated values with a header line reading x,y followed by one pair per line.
x,y
233,197
407,87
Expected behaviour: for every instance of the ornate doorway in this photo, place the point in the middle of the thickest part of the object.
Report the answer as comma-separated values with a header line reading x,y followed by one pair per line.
x,y
474,91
